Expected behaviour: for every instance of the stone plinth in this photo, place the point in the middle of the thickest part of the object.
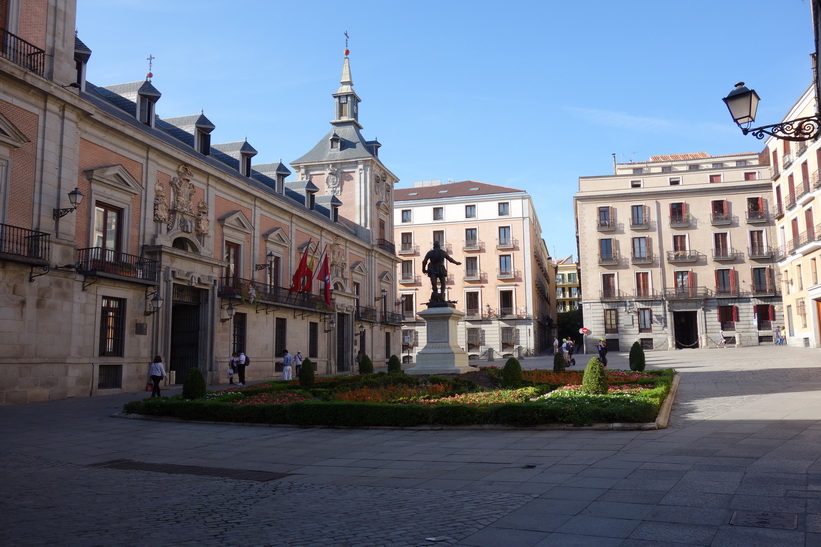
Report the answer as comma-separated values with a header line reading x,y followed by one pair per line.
x,y
441,354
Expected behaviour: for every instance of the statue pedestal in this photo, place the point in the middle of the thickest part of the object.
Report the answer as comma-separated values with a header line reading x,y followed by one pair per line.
x,y
441,354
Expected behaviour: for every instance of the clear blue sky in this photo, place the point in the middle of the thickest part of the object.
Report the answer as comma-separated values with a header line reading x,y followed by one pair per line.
x,y
527,94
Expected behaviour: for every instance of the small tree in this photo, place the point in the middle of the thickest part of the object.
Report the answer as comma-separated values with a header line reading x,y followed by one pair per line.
x,y
558,362
512,373
394,365
365,364
637,357
194,386
595,379
306,374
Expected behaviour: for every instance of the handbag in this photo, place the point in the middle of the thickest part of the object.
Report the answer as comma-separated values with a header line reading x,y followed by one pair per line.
x,y
149,386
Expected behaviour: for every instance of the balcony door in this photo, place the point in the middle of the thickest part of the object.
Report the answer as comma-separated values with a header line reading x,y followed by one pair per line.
x,y
108,231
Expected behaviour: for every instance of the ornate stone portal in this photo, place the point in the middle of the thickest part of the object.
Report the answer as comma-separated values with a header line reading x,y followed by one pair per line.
x,y
441,354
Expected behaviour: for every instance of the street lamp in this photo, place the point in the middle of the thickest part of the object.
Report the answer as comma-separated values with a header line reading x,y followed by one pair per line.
x,y
154,304
75,197
230,310
743,104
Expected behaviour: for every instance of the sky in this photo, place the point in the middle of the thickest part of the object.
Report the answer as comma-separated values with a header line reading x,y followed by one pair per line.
x,y
525,94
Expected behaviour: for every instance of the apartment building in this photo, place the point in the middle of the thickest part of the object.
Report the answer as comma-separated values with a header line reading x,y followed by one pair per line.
x,y
796,186
124,234
568,288
678,248
506,277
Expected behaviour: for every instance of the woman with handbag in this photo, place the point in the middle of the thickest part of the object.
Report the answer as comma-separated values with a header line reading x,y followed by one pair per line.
x,y
157,373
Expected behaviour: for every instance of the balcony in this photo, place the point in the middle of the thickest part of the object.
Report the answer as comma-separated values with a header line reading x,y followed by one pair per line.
x,y
803,193
504,273
726,292
778,211
390,318
681,257
408,315
640,223
721,219
447,247
805,241
23,245
760,252
386,245
766,289
757,217
646,294
473,314
606,225
686,293
258,293
507,243
608,258
475,275
815,179
408,249
787,160
679,221
409,279
725,254
611,295
365,313
22,53
472,245
100,262
790,202
641,258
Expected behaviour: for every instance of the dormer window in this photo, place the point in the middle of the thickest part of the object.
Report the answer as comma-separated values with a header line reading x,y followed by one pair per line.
x,y
147,97
335,142
310,200
203,142
246,152
335,214
146,111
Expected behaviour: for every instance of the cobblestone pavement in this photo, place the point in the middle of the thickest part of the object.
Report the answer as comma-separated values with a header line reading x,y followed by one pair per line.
x,y
739,465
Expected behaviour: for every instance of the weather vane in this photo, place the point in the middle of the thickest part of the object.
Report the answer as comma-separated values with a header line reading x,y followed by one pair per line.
x,y
347,51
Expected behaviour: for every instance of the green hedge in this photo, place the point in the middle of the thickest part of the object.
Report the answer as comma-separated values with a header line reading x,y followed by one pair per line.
x,y
581,410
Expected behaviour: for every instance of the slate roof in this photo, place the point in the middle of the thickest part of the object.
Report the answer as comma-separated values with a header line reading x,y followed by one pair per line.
x,y
119,101
352,146
464,188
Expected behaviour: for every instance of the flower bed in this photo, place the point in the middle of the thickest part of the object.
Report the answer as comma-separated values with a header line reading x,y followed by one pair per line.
x,y
400,400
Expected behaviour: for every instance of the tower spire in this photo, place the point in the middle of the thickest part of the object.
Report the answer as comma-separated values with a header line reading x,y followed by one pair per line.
x,y
346,102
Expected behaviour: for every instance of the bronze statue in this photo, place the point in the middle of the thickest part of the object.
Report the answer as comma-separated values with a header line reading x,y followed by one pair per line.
x,y
437,271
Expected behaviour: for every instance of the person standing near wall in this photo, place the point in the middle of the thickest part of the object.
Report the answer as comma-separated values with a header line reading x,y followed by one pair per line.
x,y
157,373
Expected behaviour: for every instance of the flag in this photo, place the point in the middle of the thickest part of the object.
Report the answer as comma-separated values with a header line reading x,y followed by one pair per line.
x,y
302,271
308,281
325,276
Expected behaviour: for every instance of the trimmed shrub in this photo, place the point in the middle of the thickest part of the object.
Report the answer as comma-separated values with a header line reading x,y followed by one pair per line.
x,y
594,381
194,386
512,373
637,357
558,362
306,374
365,364
394,365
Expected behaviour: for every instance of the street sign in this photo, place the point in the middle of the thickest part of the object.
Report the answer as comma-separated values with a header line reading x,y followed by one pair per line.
x,y
584,330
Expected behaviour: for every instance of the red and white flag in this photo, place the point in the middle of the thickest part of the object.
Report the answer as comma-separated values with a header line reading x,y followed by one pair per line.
x,y
325,276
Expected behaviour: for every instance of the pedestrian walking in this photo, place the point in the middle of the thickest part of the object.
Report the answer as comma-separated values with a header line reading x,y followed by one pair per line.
x,y
722,342
287,364
777,335
298,362
157,373
555,345
564,352
783,336
602,347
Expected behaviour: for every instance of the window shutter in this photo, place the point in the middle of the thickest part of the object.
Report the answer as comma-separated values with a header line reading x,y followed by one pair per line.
x,y
733,281
760,204
771,312
725,207
718,314
735,314
717,278
691,279
686,209
671,209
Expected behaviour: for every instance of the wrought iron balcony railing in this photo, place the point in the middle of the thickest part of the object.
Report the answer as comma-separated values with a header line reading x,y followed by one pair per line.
x,y
608,258
645,257
98,261
605,225
390,318
686,293
721,219
365,313
757,217
760,251
22,53
472,245
764,289
646,294
257,292
726,292
409,279
725,254
23,245
679,221
682,256
386,245
611,294
408,249
507,243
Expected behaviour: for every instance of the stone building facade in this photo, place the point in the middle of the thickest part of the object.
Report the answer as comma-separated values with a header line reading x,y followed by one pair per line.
x,y
175,247
675,250
796,187
506,282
